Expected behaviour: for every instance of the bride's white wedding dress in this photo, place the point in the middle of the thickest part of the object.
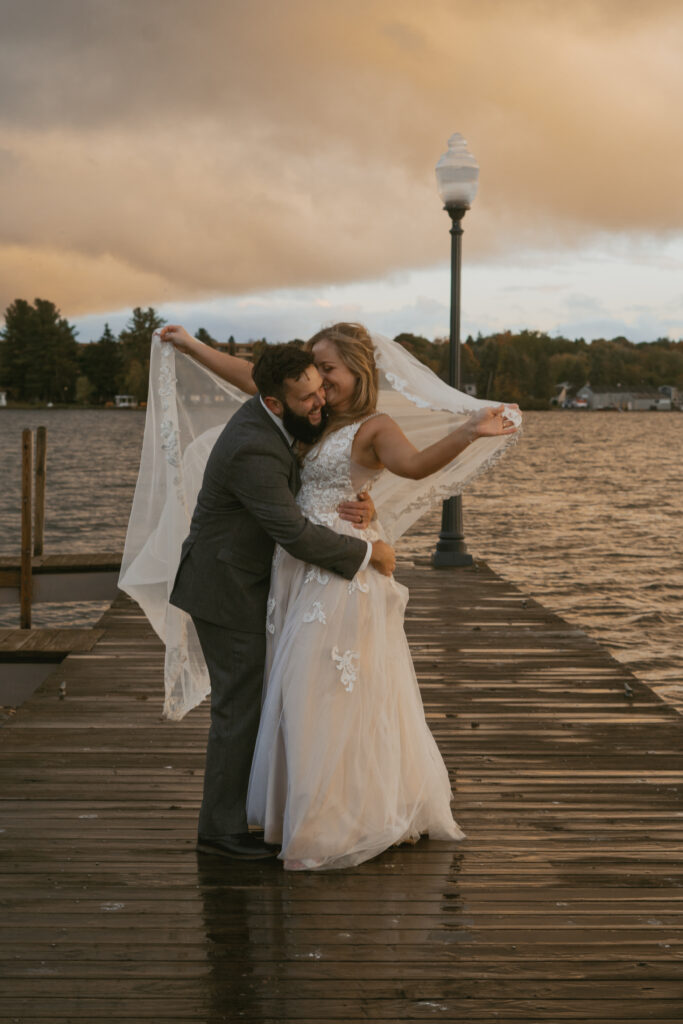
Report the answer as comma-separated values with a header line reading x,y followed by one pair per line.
x,y
345,764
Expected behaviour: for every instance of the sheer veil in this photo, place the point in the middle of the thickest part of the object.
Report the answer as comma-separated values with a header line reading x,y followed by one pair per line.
x,y
187,408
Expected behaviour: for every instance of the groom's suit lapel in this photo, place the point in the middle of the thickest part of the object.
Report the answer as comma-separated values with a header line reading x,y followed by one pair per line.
x,y
267,422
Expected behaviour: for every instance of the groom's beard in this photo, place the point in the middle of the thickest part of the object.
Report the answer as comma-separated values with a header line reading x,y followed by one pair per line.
x,y
301,428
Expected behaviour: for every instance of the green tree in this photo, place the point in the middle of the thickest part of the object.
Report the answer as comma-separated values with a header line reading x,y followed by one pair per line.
x,y
511,379
568,366
84,390
258,347
39,352
422,348
135,340
16,347
469,364
487,351
203,335
102,363
136,380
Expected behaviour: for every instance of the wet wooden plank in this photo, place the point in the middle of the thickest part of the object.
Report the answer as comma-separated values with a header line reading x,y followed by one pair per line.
x,y
564,903
45,644
470,969
254,1006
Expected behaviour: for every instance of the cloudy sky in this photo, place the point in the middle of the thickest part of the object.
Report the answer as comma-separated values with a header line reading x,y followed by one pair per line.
x,y
265,166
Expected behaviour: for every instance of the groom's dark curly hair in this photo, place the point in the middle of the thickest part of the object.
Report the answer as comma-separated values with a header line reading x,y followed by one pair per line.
x,y
278,363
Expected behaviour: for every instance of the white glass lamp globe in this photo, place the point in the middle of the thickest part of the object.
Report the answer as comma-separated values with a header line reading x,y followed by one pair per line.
x,y
457,174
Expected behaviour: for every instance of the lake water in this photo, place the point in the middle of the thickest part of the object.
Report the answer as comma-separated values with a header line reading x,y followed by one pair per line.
x,y
585,514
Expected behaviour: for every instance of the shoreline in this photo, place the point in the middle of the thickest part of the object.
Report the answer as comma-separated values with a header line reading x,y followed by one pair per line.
x,y
24,407
17,407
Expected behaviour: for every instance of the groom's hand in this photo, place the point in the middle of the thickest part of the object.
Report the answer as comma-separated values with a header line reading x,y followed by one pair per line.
x,y
359,513
383,557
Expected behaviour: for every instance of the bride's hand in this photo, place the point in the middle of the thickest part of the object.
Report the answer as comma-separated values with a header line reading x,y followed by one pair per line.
x,y
178,337
492,421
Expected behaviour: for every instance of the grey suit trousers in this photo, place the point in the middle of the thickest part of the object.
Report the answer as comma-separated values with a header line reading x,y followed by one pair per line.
x,y
236,662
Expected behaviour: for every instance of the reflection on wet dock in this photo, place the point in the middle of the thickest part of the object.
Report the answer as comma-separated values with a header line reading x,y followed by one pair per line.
x,y
563,904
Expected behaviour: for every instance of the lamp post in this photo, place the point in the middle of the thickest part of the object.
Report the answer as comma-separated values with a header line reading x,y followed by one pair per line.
x,y
457,174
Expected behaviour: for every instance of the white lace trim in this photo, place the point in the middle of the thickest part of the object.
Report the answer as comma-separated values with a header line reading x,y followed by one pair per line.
x,y
430,498
347,663
316,614
402,386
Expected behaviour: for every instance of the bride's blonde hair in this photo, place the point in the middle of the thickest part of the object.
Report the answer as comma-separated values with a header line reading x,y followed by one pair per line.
x,y
356,351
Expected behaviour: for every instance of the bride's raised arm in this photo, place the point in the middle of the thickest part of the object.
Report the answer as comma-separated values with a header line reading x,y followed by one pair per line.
x,y
236,371
383,438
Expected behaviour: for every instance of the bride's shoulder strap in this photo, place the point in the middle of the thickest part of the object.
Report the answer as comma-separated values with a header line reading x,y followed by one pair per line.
x,y
359,423
354,427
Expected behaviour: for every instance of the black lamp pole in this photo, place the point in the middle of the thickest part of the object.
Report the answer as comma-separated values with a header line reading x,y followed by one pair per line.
x,y
451,549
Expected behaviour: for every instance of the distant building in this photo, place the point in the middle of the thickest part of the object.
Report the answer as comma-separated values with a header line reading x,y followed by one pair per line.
x,y
642,399
674,394
125,401
242,351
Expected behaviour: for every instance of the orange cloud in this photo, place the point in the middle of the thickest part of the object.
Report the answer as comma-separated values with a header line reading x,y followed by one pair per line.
x,y
165,151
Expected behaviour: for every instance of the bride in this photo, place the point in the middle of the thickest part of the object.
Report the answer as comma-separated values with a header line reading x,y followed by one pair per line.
x,y
344,764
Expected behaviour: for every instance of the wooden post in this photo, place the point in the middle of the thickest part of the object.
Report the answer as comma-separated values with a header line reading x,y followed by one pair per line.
x,y
39,512
26,546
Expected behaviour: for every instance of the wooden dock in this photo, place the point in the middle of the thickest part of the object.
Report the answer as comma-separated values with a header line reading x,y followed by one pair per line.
x,y
563,904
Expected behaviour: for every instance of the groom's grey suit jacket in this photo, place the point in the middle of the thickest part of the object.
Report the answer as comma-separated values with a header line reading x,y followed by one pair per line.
x,y
245,505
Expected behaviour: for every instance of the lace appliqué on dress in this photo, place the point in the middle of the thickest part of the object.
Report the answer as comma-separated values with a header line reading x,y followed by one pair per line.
x,y
347,663
316,614
315,573
270,608
357,584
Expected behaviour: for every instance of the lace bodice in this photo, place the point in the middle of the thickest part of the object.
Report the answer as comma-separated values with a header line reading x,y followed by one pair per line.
x,y
329,475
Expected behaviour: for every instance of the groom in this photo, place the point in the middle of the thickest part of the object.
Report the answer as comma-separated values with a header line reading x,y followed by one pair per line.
x,y
245,506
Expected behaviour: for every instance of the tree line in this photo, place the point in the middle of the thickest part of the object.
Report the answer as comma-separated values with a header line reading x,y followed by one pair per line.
x,y
527,367
41,360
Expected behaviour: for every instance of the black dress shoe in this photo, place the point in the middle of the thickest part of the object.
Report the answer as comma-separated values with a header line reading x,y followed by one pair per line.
x,y
240,846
